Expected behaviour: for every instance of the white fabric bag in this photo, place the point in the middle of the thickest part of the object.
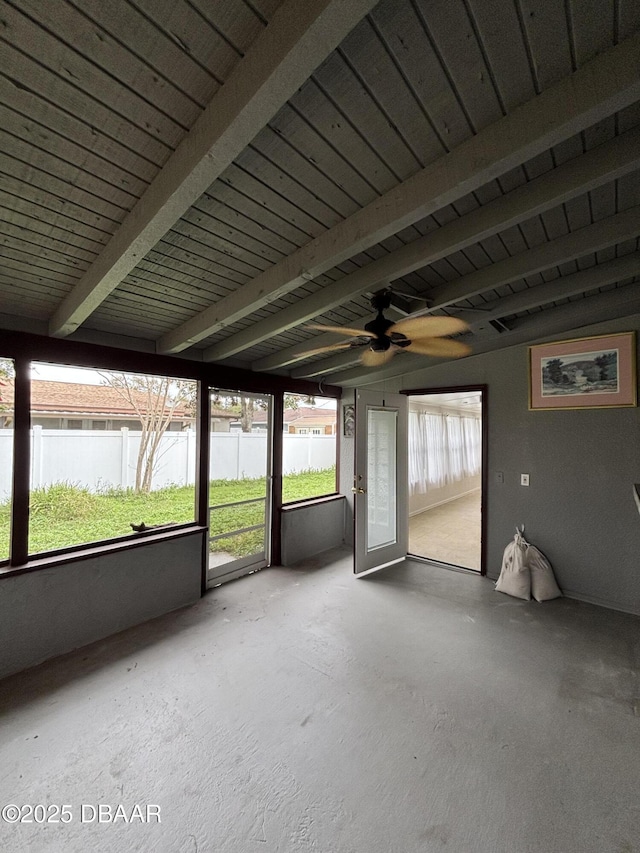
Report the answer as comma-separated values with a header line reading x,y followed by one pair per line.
x,y
543,582
515,577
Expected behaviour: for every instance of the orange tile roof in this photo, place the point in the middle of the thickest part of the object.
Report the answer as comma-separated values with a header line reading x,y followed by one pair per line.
x,y
310,415
49,397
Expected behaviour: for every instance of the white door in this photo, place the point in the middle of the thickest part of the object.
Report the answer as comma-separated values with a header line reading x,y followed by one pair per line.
x,y
380,483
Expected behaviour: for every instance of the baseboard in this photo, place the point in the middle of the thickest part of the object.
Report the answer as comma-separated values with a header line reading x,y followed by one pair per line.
x,y
593,599
445,501
601,602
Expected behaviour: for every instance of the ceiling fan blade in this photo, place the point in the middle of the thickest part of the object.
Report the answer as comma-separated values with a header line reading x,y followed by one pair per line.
x,y
429,327
439,347
329,348
374,358
343,330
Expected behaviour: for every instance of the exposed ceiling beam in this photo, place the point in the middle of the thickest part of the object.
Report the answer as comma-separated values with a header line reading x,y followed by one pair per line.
x,y
606,84
592,238
298,39
565,318
561,288
598,166
583,281
542,294
294,353
285,357
339,361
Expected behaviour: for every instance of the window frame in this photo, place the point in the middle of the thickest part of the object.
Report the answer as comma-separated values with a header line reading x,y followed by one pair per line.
x,y
24,347
308,432
102,424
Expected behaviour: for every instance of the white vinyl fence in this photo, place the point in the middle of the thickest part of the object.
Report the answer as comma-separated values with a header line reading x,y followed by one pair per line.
x,y
99,459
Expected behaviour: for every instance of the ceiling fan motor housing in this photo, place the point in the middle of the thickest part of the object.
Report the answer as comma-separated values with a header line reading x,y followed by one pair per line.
x,y
379,327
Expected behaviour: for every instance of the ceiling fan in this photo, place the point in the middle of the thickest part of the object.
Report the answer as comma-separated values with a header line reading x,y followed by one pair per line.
x,y
381,338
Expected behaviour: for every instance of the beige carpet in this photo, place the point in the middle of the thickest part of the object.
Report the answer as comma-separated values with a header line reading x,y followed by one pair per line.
x,y
449,533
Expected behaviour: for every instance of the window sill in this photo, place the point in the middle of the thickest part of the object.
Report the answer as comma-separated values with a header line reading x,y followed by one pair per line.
x,y
91,551
304,502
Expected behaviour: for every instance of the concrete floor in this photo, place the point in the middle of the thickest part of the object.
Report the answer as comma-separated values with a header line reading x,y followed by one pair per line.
x,y
303,710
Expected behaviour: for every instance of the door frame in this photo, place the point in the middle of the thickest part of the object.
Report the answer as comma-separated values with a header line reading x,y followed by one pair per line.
x,y
484,477
252,563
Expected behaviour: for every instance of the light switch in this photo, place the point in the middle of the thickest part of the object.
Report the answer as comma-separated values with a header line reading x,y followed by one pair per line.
x,y
524,479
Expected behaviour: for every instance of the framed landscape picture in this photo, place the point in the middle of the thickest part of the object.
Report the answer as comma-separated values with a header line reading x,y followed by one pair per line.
x,y
586,373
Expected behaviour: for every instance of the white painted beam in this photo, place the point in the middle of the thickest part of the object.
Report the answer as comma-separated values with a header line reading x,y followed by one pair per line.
x,y
298,38
608,83
598,166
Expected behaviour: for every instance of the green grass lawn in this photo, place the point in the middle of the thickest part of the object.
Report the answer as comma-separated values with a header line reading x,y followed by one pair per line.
x,y
63,515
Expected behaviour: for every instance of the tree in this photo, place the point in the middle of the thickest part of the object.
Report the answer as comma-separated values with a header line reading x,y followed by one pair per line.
x,y
7,373
293,401
247,409
154,399
554,370
246,406
6,368
605,363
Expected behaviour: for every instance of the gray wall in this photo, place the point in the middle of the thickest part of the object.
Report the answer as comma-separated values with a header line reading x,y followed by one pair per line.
x,y
49,612
579,508
309,530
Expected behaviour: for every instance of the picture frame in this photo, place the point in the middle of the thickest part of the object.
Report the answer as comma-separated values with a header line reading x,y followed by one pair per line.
x,y
349,420
584,373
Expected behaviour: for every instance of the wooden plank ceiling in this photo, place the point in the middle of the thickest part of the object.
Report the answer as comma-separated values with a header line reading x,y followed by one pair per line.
x,y
481,155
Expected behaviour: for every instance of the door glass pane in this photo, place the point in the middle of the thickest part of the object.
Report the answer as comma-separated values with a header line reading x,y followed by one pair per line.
x,y
239,477
382,428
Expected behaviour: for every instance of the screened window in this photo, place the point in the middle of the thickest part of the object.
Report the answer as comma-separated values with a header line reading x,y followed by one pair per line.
x,y
6,453
92,487
309,447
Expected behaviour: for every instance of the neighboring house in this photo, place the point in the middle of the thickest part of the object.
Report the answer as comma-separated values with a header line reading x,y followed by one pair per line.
x,y
305,420
221,420
74,405
310,421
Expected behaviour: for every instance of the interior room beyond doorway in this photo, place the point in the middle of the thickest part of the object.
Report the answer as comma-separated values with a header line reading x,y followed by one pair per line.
x,y
445,477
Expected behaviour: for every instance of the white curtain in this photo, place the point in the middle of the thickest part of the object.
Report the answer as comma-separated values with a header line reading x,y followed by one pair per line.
x,y
472,439
443,448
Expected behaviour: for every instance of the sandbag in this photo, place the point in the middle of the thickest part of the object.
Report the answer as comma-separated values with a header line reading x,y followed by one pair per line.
x,y
543,582
515,577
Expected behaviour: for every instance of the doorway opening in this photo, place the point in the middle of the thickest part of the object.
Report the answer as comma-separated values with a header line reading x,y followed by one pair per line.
x,y
240,453
446,456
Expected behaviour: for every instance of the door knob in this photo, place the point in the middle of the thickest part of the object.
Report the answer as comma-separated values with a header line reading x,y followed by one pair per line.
x,y
358,490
